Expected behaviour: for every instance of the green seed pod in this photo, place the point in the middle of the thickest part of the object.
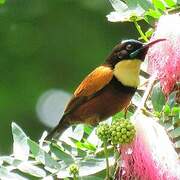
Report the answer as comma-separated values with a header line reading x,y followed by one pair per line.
x,y
103,132
122,132
73,169
124,136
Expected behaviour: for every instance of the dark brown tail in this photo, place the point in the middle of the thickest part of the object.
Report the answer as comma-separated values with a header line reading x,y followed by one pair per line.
x,y
58,130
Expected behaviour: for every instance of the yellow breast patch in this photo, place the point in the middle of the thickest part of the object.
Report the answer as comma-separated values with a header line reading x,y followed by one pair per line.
x,y
127,72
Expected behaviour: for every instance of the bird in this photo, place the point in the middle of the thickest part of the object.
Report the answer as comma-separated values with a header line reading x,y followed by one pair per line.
x,y
108,89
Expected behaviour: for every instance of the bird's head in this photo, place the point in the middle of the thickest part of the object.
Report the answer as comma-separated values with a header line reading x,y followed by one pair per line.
x,y
130,50
126,58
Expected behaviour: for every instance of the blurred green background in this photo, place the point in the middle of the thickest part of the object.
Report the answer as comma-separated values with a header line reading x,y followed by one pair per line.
x,y
49,44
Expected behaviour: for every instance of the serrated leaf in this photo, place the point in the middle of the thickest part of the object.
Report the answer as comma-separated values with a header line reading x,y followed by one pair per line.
x,y
20,145
5,174
28,168
42,156
62,155
159,5
158,98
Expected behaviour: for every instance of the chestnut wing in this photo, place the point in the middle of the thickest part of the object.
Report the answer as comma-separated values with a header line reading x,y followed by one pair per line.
x,y
94,82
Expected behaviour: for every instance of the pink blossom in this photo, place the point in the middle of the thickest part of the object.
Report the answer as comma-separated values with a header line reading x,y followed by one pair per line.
x,y
164,57
151,156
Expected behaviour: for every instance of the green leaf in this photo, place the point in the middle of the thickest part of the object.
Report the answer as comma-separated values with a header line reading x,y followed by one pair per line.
x,y
170,3
66,146
29,168
158,98
153,13
131,4
42,156
62,155
167,110
126,13
7,159
118,5
145,4
87,167
171,99
20,145
117,116
93,138
88,129
100,152
135,100
175,110
159,5
5,174
93,165
175,133
97,176
78,132
83,145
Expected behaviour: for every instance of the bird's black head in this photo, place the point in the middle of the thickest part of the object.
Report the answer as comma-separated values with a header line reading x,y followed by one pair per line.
x,y
129,50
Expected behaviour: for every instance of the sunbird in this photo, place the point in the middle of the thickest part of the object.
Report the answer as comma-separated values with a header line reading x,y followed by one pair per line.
x,y
108,89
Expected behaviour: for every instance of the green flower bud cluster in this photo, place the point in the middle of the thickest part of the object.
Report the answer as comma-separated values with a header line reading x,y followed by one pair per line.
x,y
103,132
74,169
122,132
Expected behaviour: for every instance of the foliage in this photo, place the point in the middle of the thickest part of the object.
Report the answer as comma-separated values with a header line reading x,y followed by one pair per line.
x,y
50,160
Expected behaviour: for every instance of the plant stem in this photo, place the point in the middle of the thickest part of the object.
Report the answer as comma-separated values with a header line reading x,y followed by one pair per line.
x,y
173,10
138,27
117,161
151,82
75,177
107,160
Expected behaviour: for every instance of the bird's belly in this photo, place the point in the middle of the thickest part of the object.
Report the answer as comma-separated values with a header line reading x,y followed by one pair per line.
x,y
104,104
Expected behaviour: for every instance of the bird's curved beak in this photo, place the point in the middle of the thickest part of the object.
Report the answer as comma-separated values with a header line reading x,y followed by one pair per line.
x,y
141,52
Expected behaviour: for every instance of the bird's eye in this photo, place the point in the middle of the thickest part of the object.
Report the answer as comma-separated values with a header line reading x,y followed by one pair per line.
x,y
121,54
129,47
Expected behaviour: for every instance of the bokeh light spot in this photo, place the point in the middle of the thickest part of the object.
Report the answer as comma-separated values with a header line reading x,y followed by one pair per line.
x,y
50,106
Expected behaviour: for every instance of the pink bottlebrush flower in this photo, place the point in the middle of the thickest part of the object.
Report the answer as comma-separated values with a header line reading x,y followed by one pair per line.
x,y
164,57
151,155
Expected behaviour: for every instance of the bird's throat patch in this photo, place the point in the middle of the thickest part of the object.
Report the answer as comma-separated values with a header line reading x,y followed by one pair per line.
x,y
127,72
